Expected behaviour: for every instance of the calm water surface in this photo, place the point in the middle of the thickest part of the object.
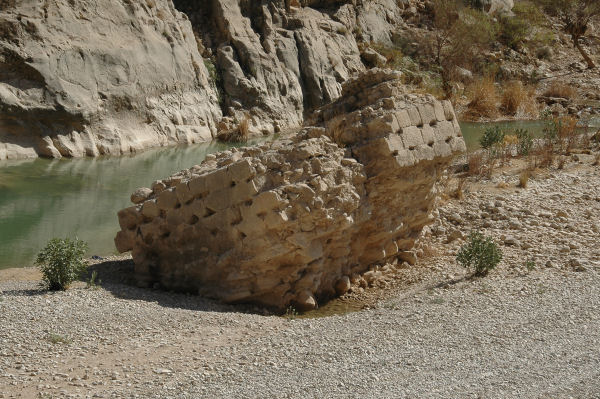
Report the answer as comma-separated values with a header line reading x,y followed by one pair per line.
x,y
41,199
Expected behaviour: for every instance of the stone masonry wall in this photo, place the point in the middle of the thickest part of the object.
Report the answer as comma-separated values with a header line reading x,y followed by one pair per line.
x,y
292,222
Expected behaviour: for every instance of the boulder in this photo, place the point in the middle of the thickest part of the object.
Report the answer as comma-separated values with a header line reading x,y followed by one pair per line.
x,y
498,7
290,222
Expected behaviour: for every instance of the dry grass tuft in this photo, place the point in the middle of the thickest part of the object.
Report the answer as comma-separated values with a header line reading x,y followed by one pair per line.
x,y
518,99
475,164
560,90
239,134
483,97
566,127
524,178
561,162
459,194
429,252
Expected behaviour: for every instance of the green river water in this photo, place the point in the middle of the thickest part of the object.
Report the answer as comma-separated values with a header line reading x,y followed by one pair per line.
x,y
41,199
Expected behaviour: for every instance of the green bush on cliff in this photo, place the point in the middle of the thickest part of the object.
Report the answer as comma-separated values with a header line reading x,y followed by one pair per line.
x,y
61,262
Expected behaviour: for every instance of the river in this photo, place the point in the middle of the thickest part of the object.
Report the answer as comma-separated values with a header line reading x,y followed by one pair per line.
x,y
42,198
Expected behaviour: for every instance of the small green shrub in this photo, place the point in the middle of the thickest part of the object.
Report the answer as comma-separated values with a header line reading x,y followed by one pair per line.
x,y
513,31
58,339
94,281
525,142
480,254
291,313
491,137
61,262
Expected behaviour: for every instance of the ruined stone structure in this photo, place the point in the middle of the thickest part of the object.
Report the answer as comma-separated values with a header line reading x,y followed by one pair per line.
x,y
292,222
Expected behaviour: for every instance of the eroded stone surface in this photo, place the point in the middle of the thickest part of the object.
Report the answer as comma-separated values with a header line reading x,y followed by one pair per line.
x,y
100,77
292,221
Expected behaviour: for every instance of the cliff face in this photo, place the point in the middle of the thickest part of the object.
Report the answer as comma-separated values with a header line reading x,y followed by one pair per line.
x,y
100,77
116,76
279,59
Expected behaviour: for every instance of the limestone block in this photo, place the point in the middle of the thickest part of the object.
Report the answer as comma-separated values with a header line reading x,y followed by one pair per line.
x,y
444,130
457,144
218,180
198,186
403,118
219,200
442,149
382,127
429,135
241,171
405,158
167,200
412,137
150,209
425,152
415,116
140,195
129,218
124,241
440,115
183,193
427,113
266,201
395,144
448,110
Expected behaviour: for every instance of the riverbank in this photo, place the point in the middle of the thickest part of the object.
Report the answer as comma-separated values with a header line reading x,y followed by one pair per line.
x,y
425,330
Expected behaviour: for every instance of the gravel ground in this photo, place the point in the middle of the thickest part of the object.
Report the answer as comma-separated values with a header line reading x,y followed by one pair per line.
x,y
517,333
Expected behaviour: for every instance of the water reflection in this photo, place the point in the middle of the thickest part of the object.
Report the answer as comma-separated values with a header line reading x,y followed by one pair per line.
x,y
472,131
41,199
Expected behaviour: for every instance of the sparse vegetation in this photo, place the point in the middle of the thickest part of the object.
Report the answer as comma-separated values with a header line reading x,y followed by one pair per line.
x,y
524,178
560,90
291,313
239,134
61,262
575,17
518,99
525,142
530,265
58,339
491,137
93,282
483,97
481,254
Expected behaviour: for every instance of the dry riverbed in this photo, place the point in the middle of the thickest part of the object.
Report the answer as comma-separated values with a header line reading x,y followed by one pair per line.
x,y
426,330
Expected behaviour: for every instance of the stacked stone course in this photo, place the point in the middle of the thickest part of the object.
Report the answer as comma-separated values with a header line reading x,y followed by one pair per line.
x,y
294,221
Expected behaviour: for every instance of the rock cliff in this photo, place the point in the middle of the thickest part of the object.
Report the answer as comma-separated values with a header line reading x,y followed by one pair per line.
x,y
115,76
295,221
95,77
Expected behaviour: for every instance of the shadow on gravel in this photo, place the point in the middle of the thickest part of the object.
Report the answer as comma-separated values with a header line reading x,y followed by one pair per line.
x,y
25,292
117,277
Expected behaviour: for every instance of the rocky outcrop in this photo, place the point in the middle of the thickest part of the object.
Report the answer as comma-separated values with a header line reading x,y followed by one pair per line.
x,y
294,221
278,60
100,77
115,76
274,63
498,7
